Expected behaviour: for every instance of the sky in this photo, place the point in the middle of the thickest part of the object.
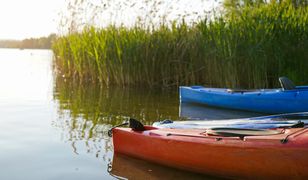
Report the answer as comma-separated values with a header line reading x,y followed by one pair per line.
x,y
20,19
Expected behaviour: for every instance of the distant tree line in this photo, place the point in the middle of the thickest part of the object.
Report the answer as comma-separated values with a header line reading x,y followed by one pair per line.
x,y
30,43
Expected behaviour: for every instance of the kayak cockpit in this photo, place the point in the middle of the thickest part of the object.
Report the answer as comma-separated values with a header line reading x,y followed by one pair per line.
x,y
286,84
242,90
242,132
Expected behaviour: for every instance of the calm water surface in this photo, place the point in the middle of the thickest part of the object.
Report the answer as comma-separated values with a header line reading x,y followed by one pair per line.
x,y
54,128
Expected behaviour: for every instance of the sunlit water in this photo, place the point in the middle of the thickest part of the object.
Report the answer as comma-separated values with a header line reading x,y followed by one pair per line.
x,y
53,128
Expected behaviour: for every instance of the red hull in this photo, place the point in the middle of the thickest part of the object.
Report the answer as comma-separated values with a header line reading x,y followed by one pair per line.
x,y
251,157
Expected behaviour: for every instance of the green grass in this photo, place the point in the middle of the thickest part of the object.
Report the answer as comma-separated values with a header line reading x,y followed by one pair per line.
x,y
250,50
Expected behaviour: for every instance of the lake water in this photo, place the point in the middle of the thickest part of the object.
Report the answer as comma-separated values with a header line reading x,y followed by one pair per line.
x,y
55,128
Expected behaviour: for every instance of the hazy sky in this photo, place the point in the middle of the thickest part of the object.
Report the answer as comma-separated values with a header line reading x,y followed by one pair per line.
x,y
21,19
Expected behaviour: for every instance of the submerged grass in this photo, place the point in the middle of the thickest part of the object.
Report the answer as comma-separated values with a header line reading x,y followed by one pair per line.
x,y
250,50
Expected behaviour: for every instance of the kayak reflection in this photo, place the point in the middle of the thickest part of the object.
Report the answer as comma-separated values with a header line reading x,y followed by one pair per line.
x,y
125,167
196,111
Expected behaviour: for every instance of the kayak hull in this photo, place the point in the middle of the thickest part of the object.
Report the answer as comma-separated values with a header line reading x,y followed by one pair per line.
x,y
265,101
232,157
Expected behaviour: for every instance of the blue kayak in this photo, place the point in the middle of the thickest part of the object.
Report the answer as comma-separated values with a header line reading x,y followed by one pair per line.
x,y
288,99
263,122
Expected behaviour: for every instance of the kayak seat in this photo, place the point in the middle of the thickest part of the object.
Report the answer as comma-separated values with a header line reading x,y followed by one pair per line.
x,y
136,125
196,87
241,90
166,121
240,132
286,84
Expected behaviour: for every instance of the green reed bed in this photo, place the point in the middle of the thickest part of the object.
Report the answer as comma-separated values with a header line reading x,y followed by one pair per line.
x,y
249,49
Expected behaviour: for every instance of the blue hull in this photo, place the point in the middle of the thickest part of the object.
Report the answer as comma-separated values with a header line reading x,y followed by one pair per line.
x,y
265,100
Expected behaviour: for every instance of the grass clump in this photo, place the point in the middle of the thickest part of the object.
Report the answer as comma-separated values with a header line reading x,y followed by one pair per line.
x,y
250,49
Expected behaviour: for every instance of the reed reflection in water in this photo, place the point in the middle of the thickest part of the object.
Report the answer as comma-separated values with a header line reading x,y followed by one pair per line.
x,y
202,112
111,106
87,111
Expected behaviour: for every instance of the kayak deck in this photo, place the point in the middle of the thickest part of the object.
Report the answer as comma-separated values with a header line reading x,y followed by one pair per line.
x,y
263,122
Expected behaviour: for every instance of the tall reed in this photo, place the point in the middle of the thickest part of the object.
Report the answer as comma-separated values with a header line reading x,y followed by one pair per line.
x,y
250,50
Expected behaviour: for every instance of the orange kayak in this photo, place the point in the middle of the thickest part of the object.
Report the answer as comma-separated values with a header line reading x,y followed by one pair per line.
x,y
221,152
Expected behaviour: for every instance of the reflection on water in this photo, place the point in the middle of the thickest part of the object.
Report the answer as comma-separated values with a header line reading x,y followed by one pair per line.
x,y
110,106
199,112
30,146
124,167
